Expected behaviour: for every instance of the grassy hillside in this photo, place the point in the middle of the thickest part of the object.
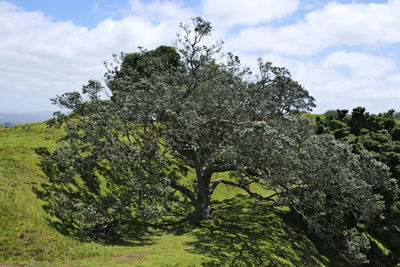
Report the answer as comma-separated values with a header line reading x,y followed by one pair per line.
x,y
244,232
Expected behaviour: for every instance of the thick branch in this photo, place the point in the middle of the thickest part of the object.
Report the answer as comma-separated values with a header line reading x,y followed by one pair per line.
x,y
245,188
184,190
223,168
198,164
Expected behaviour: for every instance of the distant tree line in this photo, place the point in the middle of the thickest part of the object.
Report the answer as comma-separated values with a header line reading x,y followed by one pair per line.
x,y
8,124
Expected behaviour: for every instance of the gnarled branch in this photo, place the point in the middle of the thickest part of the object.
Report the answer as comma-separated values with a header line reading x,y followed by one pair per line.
x,y
184,190
245,188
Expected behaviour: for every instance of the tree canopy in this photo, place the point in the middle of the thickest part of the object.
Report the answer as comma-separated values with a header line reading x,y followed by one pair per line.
x,y
377,133
123,161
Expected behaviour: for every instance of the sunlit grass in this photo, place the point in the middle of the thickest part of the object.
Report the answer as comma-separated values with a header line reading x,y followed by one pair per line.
x,y
243,232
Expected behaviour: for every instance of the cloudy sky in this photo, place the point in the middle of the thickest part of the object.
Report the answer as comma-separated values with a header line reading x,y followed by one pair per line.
x,y
346,53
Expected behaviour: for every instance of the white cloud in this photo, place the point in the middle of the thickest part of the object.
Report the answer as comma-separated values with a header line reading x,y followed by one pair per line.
x,y
360,65
334,24
247,12
349,79
342,79
41,58
161,10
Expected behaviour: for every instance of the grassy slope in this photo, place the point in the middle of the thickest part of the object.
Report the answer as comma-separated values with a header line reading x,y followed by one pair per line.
x,y
244,232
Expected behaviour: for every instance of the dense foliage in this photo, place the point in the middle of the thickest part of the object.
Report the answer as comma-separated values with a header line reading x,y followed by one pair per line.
x,y
377,133
124,159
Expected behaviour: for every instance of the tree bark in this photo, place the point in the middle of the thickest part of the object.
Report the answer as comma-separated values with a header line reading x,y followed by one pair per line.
x,y
202,205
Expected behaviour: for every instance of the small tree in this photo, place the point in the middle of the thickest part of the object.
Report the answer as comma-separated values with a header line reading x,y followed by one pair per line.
x,y
172,110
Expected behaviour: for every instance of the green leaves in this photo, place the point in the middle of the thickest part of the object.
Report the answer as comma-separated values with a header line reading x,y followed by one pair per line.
x,y
375,133
193,107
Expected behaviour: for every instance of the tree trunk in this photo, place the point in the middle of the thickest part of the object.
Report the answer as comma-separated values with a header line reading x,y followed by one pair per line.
x,y
202,209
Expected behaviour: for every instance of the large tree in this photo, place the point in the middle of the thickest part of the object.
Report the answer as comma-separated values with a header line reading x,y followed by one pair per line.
x,y
172,110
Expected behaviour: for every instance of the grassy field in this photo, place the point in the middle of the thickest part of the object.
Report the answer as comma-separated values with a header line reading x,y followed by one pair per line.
x,y
244,232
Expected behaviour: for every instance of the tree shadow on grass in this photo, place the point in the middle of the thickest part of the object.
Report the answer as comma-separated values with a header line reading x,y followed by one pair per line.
x,y
325,250
385,248
247,233
135,234
125,229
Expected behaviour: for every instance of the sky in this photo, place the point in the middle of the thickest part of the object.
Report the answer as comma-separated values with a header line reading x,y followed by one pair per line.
x,y
345,53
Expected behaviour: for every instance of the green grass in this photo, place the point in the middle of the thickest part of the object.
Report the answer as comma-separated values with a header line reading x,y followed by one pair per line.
x,y
312,117
244,232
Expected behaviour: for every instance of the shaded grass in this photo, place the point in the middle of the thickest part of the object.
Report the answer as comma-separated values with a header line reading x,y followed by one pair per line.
x,y
25,236
243,233
247,233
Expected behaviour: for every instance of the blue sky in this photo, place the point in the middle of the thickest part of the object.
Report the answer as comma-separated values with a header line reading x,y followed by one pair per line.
x,y
346,53
85,13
